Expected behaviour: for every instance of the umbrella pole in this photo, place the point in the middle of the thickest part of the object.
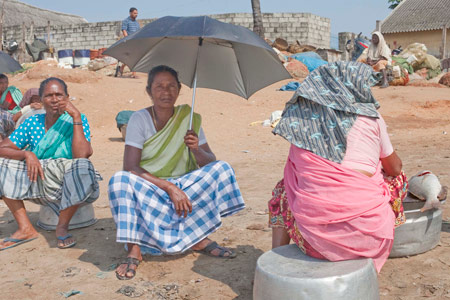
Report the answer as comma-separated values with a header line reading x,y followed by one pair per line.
x,y
193,100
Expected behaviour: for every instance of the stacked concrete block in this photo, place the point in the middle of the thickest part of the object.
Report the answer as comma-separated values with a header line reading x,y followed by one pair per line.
x,y
303,27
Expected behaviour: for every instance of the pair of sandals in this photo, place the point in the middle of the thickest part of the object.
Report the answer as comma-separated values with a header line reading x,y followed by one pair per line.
x,y
129,261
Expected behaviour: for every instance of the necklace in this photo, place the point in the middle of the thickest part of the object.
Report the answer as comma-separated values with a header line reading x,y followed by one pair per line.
x,y
153,118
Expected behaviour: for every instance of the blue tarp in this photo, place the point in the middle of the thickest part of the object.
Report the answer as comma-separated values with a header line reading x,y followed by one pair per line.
x,y
311,60
291,86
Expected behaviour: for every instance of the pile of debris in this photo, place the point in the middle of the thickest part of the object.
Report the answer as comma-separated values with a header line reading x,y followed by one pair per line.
x,y
300,59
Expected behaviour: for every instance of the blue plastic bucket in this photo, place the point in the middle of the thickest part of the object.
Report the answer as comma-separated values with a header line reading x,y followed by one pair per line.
x,y
82,57
65,56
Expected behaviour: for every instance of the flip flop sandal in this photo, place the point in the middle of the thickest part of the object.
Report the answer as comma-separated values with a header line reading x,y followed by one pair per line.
x,y
213,245
63,238
128,261
16,242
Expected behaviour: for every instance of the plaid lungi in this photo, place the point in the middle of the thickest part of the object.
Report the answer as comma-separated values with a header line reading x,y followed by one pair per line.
x,y
145,215
6,123
67,182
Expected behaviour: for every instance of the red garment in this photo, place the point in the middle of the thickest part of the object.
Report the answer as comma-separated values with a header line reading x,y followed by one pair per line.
x,y
10,101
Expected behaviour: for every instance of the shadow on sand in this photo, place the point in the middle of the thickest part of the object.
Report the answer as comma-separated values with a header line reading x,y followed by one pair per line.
x,y
237,273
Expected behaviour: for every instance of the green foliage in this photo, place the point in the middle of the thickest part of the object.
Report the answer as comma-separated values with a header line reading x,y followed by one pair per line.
x,y
394,3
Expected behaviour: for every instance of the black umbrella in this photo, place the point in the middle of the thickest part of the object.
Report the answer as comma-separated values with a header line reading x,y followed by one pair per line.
x,y
206,53
8,64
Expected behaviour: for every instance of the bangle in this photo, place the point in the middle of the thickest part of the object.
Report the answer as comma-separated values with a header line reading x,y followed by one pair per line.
x,y
77,123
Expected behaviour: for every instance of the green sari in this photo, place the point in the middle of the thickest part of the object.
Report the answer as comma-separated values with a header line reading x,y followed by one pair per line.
x,y
57,141
165,154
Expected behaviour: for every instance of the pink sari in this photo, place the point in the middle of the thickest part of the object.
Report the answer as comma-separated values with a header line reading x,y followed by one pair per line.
x,y
340,212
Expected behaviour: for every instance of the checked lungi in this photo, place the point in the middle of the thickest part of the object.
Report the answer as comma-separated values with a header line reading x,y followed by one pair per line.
x,y
67,182
145,215
6,123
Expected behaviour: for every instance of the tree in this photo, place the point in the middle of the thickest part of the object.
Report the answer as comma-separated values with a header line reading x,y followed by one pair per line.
x,y
394,3
258,27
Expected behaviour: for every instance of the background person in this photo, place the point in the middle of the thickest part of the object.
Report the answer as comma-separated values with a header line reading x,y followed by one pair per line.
x,y
130,25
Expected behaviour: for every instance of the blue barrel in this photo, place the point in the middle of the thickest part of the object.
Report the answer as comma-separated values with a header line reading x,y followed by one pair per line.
x,y
82,57
65,56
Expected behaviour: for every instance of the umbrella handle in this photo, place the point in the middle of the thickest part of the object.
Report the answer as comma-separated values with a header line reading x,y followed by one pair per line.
x,y
193,100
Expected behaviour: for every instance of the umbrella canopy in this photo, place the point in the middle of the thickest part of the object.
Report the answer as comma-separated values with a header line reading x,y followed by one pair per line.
x,y
8,64
206,53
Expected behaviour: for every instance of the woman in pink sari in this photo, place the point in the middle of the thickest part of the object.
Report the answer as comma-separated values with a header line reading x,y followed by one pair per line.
x,y
341,196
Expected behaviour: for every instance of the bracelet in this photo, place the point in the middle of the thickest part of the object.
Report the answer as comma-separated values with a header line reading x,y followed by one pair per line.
x,y
77,123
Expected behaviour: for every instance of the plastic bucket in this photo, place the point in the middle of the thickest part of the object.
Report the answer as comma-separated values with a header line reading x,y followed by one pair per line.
x,y
65,56
82,57
94,54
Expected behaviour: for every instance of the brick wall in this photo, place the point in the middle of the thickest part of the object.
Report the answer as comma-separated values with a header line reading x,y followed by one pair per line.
x,y
304,27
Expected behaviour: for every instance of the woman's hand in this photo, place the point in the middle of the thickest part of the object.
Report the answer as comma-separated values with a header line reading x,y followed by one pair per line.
x,y
34,168
36,105
17,116
181,202
66,105
191,140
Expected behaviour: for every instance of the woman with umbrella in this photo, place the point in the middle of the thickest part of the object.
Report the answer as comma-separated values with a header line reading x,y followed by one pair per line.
x,y
172,192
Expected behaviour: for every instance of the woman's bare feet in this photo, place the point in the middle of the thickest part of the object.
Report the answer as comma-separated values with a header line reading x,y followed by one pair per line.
x,y
127,269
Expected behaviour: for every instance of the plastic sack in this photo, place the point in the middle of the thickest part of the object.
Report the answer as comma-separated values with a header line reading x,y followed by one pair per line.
x,y
418,50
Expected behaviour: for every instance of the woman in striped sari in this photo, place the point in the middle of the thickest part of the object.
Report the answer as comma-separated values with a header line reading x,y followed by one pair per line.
x,y
172,192
46,161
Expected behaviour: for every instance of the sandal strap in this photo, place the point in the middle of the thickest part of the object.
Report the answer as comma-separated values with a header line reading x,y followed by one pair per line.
x,y
130,261
211,246
63,238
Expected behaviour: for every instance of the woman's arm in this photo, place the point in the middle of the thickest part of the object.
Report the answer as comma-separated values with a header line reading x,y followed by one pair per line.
x,y
9,150
81,148
131,163
203,154
392,164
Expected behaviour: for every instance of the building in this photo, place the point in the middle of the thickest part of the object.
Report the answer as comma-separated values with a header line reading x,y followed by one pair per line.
x,y
15,13
420,21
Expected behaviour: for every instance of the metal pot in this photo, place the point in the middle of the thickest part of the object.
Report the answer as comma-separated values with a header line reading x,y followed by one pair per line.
x,y
83,217
421,231
287,273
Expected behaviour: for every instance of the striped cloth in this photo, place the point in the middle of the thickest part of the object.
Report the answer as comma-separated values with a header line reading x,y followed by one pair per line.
x,y
325,106
130,25
145,215
67,182
6,123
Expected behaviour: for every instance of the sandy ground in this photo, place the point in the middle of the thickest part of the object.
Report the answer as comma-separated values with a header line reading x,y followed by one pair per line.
x,y
418,119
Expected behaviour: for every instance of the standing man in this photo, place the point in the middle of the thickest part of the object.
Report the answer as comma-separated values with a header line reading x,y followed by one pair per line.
x,y
129,26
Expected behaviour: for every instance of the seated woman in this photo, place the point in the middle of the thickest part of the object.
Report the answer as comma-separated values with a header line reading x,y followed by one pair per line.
x,y
10,96
172,192
379,56
46,161
30,105
334,201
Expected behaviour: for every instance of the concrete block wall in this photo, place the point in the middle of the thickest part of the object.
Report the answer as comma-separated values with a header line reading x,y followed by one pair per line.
x,y
304,27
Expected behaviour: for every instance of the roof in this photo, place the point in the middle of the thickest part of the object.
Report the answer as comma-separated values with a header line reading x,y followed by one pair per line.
x,y
16,12
417,15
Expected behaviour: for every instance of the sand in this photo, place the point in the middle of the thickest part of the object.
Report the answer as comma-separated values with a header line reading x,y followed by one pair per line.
x,y
419,125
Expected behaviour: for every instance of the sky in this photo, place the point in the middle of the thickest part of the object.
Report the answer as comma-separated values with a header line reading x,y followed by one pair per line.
x,y
346,15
